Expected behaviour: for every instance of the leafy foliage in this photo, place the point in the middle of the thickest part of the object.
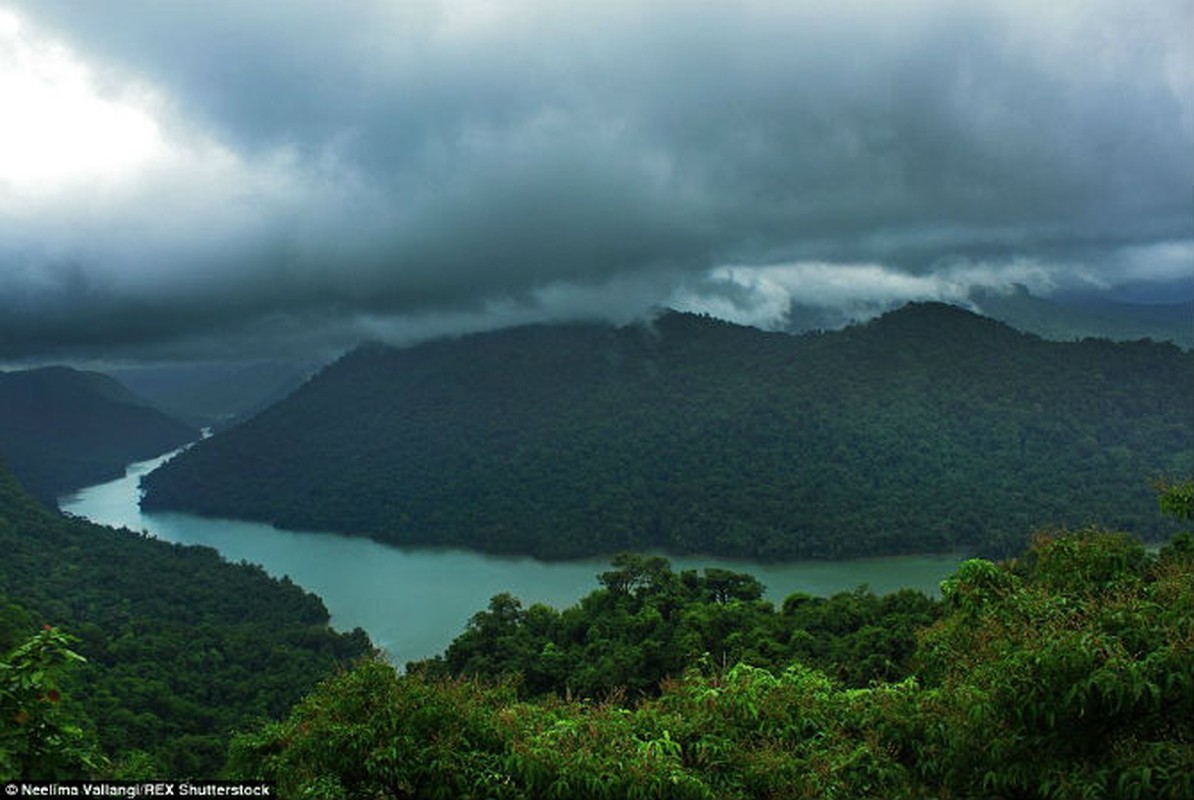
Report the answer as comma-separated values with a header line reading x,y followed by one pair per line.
x,y
926,430
181,647
42,735
1076,663
1066,673
649,623
1177,498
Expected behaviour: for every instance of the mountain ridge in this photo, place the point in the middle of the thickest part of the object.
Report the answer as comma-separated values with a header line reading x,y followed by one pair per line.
x,y
1092,316
690,434
62,429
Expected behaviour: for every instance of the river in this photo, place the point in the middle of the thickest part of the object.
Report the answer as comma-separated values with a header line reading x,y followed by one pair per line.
x,y
413,601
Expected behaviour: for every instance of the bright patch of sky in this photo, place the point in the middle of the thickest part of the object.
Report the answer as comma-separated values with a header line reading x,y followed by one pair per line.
x,y
61,132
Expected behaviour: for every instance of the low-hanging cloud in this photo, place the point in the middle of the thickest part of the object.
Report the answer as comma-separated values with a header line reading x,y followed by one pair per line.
x,y
316,172
765,296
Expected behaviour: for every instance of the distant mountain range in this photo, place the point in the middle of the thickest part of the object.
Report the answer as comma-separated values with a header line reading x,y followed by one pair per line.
x,y
1060,319
1090,316
62,429
930,428
215,395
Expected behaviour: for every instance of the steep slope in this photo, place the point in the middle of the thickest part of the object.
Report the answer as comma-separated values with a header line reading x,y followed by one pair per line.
x,y
923,430
62,428
182,647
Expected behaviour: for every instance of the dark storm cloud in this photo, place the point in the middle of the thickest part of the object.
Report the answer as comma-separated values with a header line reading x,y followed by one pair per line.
x,y
386,166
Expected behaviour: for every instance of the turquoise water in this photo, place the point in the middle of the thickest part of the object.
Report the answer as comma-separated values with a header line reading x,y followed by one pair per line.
x,y
413,602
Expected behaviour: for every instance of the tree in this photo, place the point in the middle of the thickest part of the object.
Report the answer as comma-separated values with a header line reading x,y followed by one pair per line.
x,y
1066,674
634,572
1177,498
42,735
725,585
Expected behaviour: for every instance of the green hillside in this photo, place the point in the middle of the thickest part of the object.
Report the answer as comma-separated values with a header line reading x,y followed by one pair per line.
x,y
1066,673
928,429
62,429
181,647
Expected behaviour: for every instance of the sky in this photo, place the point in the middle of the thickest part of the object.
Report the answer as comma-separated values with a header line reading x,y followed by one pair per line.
x,y
289,177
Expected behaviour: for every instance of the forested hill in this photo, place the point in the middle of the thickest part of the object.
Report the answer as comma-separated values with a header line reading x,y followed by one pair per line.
x,y
61,429
182,647
926,429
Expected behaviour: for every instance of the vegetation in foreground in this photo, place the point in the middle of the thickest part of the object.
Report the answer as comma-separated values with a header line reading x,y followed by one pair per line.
x,y
648,623
1065,673
130,656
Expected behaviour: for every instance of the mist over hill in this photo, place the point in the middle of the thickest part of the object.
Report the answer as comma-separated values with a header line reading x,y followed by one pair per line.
x,y
928,429
62,429
1166,314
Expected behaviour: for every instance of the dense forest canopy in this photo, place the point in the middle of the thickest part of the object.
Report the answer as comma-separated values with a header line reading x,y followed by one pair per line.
x,y
181,648
928,429
1064,673
648,623
62,429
